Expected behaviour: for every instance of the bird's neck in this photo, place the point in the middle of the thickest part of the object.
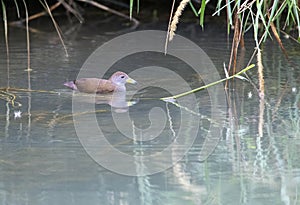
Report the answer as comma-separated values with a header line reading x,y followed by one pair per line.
x,y
120,88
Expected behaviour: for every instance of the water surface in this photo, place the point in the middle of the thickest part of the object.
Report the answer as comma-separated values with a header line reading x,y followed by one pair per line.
x,y
43,162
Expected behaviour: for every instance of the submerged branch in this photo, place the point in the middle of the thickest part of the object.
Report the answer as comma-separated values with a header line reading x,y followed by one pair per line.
x,y
28,90
10,98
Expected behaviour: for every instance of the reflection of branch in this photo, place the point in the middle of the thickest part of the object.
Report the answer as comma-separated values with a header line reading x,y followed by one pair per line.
x,y
209,145
210,142
6,128
259,164
193,112
278,103
261,117
53,122
184,179
28,90
170,121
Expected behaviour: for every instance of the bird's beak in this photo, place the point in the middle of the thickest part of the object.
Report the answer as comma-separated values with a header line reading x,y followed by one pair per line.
x,y
130,80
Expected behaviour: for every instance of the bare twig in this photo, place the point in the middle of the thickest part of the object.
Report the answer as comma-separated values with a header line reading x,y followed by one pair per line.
x,y
37,15
28,41
55,25
105,8
6,40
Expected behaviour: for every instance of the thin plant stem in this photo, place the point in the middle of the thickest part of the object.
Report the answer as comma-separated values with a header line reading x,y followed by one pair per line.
x,y
55,25
37,15
28,46
130,9
6,41
169,27
208,85
17,8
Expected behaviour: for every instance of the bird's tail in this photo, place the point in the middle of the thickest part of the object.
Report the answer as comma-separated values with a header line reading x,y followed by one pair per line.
x,y
71,84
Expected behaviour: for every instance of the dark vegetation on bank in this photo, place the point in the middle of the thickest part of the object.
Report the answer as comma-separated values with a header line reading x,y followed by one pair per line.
x,y
263,18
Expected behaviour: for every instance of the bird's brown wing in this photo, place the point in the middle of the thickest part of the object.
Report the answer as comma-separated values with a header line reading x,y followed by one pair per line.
x,y
94,85
105,86
87,85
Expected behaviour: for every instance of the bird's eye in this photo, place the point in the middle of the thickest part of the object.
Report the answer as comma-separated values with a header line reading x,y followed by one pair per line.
x,y
122,76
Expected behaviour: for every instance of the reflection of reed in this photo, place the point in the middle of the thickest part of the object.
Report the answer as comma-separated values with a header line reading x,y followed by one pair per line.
x,y
29,109
170,121
143,181
210,142
232,136
184,179
53,122
268,162
261,117
6,128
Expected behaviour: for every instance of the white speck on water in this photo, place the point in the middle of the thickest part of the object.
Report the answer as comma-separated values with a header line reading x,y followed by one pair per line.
x,y
17,114
250,95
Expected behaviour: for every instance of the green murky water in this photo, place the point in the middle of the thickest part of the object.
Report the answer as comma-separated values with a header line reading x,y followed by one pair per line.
x,y
255,161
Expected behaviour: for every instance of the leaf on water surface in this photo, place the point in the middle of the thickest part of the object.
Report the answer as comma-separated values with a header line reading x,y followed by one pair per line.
x,y
241,77
225,70
169,99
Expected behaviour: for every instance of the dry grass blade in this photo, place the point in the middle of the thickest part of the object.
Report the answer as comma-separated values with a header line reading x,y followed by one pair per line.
x,y
274,30
261,121
17,8
6,40
28,41
45,5
279,101
235,43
